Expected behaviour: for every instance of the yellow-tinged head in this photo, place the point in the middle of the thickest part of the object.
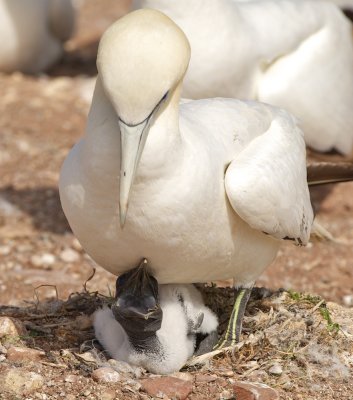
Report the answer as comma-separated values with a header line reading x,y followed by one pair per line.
x,y
142,58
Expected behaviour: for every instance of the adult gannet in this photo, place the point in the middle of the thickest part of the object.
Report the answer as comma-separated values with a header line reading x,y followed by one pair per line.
x,y
162,347
32,33
296,54
211,185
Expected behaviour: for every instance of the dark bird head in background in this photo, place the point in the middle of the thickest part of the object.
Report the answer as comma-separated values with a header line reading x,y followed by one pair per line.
x,y
136,306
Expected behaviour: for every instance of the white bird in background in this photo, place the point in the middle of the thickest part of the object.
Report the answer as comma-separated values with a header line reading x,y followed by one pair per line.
x,y
211,185
167,349
296,54
33,32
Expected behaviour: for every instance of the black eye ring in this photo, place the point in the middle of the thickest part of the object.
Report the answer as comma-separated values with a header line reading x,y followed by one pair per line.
x,y
149,116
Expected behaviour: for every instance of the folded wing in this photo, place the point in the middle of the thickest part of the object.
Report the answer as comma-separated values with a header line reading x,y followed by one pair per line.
x,y
266,183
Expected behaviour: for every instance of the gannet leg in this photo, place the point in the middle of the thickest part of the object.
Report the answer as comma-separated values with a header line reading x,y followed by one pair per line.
x,y
232,334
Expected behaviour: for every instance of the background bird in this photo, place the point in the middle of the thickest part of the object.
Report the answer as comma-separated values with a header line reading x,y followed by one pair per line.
x,y
294,54
33,32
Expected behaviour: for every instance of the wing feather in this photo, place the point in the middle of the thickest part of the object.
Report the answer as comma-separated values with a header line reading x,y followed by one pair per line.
x,y
266,183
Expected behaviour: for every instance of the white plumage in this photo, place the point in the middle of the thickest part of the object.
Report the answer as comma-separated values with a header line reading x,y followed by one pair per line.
x,y
183,309
296,54
218,182
33,32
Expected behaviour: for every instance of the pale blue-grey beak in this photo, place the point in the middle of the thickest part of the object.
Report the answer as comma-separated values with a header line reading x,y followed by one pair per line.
x,y
133,139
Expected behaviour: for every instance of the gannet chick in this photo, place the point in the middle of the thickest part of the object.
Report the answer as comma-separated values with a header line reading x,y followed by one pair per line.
x,y
297,55
33,32
204,190
167,349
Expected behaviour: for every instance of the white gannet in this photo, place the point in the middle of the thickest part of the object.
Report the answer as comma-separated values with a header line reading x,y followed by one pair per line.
x,y
163,350
211,185
33,32
296,54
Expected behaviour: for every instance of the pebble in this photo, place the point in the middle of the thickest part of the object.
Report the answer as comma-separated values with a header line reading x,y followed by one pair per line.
x,y
71,378
348,300
76,244
88,356
24,354
3,349
5,250
108,395
2,358
254,391
226,395
205,378
276,369
185,376
20,382
69,256
228,374
106,374
125,368
166,386
11,327
43,260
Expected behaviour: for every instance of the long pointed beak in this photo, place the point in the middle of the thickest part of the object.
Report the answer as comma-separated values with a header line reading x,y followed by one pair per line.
x,y
133,139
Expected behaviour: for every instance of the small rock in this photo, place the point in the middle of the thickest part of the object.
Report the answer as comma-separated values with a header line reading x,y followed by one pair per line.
x,y
276,369
88,357
3,349
125,368
221,382
226,395
24,354
71,397
348,300
108,395
168,386
41,396
71,378
205,378
2,358
43,260
69,255
20,382
254,391
228,374
76,244
185,376
11,327
86,393
105,374
5,250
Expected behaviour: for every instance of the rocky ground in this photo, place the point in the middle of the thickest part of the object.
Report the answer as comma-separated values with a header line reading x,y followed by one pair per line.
x,y
291,343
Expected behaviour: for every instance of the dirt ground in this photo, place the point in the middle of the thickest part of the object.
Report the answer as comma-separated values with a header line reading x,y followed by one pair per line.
x,y
41,117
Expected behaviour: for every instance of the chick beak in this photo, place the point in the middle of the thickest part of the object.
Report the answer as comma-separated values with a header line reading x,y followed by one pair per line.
x,y
133,139
136,305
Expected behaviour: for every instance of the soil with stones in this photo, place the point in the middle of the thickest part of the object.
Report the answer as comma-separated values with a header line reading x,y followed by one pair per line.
x,y
298,344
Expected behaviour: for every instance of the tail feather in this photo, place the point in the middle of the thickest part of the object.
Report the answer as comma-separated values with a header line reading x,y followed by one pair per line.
x,y
321,173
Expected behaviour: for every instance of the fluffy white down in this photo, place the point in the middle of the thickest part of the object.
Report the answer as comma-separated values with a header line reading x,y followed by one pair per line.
x,y
294,54
32,33
175,341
